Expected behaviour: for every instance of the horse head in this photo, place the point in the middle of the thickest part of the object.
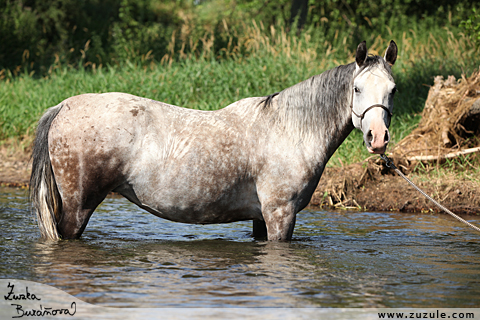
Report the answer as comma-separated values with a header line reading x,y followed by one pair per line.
x,y
372,96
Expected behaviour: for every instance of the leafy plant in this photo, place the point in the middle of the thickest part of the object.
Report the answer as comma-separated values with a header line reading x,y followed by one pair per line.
x,y
471,27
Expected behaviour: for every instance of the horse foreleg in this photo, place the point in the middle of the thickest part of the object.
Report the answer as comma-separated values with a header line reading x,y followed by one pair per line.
x,y
280,224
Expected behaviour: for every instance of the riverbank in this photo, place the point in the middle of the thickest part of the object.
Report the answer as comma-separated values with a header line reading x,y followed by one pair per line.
x,y
15,167
374,187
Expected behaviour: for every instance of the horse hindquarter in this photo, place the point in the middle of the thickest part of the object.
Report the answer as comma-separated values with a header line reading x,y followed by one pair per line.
x,y
85,143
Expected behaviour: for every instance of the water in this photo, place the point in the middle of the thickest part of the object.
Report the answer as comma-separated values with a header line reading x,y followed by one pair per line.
x,y
128,258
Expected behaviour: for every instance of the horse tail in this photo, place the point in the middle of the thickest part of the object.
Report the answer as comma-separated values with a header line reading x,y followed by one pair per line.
x,y
44,194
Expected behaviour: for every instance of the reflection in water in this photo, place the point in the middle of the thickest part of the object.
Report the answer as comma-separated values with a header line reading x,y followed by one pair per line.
x,y
337,259
220,272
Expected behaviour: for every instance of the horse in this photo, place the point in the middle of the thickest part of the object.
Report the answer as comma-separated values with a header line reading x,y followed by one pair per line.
x,y
260,158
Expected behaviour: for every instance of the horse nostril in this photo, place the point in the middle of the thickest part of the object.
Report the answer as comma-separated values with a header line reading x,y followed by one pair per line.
x,y
369,136
386,138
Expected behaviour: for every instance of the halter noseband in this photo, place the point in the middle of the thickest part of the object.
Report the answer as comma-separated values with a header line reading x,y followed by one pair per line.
x,y
362,115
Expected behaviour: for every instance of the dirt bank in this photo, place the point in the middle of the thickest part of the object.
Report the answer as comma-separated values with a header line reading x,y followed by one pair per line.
x,y
372,186
15,167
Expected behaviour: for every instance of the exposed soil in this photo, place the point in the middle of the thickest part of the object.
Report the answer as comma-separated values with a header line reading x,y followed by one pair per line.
x,y
15,167
374,187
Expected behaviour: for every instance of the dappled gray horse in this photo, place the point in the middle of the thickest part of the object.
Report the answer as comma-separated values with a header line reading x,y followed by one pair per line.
x,y
257,159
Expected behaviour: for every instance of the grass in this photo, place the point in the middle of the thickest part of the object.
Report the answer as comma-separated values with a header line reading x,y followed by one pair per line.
x,y
198,84
262,63
464,167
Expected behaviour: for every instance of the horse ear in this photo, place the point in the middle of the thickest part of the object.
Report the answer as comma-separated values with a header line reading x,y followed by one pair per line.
x,y
391,53
362,53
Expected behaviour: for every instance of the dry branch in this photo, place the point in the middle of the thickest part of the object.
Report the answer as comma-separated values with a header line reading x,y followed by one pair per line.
x,y
444,156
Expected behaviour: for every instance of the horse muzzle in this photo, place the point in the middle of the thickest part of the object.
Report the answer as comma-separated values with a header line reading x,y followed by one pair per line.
x,y
377,136
376,139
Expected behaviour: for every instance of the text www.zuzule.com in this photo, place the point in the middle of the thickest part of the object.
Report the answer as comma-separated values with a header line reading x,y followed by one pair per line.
x,y
426,315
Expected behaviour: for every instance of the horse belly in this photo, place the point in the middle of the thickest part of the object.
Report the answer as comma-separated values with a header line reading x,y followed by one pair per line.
x,y
178,203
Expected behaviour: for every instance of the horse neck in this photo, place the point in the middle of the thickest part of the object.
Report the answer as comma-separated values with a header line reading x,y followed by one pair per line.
x,y
316,112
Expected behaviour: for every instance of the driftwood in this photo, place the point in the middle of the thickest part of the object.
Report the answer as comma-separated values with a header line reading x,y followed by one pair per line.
x,y
450,121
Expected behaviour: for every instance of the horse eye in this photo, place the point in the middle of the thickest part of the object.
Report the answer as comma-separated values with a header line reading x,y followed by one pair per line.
x,y
356,90
394,90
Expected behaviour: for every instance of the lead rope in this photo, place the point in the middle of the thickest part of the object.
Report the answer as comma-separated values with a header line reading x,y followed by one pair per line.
x,y
389,163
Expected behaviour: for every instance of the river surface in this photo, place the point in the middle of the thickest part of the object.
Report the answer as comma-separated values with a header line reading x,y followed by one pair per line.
x,y
129,258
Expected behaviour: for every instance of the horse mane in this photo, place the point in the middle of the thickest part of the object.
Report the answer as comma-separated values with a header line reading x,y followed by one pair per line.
x,y
319,100
267,101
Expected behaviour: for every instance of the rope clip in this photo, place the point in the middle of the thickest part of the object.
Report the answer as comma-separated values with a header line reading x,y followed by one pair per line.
x,y
388,162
